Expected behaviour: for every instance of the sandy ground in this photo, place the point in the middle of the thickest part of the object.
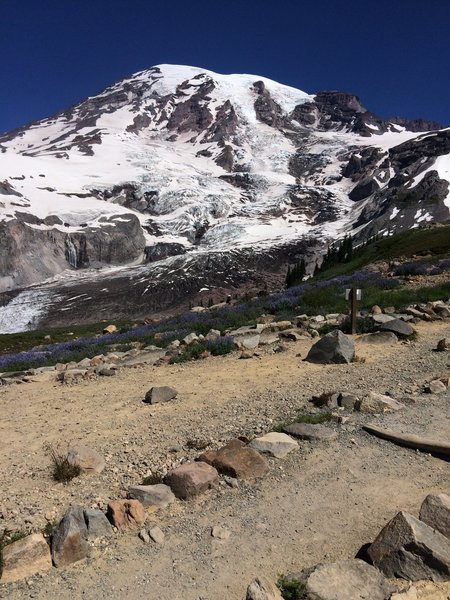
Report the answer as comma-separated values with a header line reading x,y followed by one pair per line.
x,y
321,503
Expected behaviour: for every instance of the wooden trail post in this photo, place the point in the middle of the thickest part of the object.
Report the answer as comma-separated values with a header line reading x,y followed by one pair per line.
x,y
353,294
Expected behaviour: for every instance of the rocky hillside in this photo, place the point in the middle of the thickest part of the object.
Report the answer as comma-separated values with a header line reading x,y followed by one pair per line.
x,y
178,179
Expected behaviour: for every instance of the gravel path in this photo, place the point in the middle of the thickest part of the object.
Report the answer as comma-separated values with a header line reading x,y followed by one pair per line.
x,y
322,502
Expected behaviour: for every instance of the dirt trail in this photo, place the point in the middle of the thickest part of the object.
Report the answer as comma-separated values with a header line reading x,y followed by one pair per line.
x,y
320,503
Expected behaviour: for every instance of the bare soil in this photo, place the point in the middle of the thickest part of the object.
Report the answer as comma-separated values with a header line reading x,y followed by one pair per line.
x,y
321,503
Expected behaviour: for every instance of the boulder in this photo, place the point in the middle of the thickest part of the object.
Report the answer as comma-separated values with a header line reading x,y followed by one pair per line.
x,y
236,460
126,514
310,432
163,393
335,347
398,327
263,589
410,549
348,580
275,444
69,543
376,310
378,403
97,524
268,337
191,479
158,495
435,512
25,557
378,337
89,460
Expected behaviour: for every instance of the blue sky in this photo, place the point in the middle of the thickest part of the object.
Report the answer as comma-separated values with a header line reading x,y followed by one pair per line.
x,y
394,54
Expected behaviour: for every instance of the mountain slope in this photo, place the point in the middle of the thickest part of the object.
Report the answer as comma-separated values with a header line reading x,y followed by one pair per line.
x,y
179,170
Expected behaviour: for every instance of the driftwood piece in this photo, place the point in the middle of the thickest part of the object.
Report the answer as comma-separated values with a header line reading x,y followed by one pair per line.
x,y
410,441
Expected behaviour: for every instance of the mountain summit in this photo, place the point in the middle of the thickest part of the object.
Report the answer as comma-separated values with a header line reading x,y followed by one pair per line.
x,y
187,179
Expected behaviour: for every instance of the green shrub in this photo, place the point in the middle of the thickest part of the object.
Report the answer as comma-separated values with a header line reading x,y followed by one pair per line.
x,y
291,589
152,479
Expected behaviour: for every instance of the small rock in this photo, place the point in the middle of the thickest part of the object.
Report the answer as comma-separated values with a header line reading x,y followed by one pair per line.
x,y
443,345
97,524
246,354
163,393
435,512
378,403
306,431
376,310
126,514
381,318
220,533
263,589
190,338
110,329
157,535
275,444
398,327
88,460
348,401
191,479
143,535
378,337
25,557
158,495
435,387
237,460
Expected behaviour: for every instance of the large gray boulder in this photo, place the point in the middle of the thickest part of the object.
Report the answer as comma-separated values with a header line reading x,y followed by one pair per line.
x,y
69,540
335,347
410,549
348,580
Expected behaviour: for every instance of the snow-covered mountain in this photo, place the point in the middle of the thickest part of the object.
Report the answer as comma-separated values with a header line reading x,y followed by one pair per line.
x,y
178,178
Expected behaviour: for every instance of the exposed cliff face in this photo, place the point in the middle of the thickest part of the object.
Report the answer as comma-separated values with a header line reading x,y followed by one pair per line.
x,y
182,162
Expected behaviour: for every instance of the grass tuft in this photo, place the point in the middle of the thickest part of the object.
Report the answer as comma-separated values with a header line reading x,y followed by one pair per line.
x,y
291,589
152,479
61,468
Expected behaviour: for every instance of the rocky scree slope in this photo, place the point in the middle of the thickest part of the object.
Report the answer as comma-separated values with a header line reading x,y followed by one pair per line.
x,y
181,170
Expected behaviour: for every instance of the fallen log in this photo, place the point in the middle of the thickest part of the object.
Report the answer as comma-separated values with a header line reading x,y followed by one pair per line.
x,y
410,441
